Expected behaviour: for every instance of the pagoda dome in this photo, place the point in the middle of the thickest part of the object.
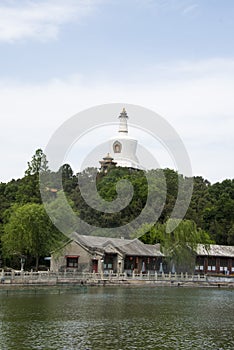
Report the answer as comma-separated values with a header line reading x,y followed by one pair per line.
x,y
124,147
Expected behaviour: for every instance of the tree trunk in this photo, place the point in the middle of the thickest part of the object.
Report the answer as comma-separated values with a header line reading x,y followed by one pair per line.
x,y
37,262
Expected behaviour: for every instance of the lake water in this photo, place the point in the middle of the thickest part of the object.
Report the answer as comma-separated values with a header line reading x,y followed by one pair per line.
x,y
119,318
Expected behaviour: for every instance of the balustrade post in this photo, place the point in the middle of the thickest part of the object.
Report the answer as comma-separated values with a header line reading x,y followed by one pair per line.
x,y
2,276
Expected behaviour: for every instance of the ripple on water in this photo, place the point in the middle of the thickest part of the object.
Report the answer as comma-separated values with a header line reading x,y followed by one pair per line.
x,y
120,319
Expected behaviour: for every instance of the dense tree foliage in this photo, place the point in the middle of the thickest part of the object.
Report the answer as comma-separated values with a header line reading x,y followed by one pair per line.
x,y
211,208
179,245
29,231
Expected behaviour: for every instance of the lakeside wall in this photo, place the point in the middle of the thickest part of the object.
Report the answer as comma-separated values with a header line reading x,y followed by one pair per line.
x,y
71,278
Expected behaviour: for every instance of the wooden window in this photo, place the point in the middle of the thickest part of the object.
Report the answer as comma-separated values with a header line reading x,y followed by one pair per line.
x,y
130,263
72,261
223,265
200,263
211,264
109,261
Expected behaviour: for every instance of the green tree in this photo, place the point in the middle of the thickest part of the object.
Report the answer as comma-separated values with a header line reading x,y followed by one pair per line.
x,y
230,239
69,180
29,231
28,190
180,245
62,213
37,164
211,207
218,216
200,200
153,234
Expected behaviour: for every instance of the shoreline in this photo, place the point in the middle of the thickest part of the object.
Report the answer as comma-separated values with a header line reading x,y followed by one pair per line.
x,y
39,288
25,281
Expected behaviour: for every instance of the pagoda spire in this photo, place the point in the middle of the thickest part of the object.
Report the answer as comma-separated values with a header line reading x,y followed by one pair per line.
x,y
123,122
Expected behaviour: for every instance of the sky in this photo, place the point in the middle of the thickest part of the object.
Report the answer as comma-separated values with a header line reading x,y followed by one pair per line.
x,y
175,57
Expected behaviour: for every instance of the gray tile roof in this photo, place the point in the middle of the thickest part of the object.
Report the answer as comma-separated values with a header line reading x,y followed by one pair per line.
x,y
97,241
216,250
132,247
155,248
135,247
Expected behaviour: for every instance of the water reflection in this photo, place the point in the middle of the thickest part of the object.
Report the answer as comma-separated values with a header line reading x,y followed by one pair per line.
x,y
119,318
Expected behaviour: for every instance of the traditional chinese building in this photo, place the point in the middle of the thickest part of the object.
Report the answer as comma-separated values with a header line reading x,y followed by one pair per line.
x,y
107,163
104,254
215,259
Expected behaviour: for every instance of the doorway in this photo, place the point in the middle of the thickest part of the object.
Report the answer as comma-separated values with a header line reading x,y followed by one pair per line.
x,y
95,265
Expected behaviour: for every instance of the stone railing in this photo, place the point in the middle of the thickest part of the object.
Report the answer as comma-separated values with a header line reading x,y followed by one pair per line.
x,y
49,277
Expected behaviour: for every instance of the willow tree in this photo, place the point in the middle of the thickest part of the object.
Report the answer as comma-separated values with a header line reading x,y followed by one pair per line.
x,y
179,245
29,231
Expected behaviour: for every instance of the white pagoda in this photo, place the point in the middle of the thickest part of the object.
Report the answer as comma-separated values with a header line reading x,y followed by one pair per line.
x,y
122,147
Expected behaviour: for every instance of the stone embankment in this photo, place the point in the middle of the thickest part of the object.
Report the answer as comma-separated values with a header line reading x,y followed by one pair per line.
x,y
48,278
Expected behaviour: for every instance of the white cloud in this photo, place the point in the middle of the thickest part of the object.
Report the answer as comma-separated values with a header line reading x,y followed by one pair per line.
x,y
177,6
190,8
39,20
201,109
